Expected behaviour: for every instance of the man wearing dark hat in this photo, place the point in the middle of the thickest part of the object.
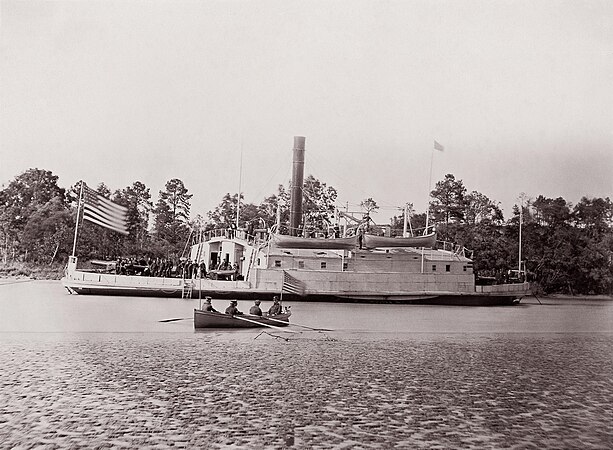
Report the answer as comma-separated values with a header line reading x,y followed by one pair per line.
x,y
207,305
255,309
276,307
232,309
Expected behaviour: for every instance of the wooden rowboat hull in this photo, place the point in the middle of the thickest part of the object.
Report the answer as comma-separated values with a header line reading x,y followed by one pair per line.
x,y
204,319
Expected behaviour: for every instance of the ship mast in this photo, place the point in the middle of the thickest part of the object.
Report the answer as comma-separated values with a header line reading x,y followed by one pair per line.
x,y
408,208
522,197
440,148
76,229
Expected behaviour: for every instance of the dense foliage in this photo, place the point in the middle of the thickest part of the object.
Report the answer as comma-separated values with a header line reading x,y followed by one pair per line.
x,y
566,248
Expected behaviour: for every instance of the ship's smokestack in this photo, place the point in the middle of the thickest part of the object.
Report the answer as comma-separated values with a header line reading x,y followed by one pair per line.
x,y
295,212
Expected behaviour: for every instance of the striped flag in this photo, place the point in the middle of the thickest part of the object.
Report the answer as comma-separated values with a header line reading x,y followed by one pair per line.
x,y
104,212
438,146
292,285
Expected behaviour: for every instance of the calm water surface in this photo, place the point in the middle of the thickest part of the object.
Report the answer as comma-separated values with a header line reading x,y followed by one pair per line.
x,y
103,372
44,306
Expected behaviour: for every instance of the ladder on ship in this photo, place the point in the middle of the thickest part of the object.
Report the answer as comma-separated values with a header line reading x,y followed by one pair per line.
x,y
188,287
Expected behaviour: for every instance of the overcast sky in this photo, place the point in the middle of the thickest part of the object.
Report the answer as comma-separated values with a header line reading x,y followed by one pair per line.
x,y
520,94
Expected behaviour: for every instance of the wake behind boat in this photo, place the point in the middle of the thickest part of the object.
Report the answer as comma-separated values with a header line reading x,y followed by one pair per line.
x,y
205,319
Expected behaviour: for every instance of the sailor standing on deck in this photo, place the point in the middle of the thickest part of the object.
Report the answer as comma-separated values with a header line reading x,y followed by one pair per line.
x,y
255,309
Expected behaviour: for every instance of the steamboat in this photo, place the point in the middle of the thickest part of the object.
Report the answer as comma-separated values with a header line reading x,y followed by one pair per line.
x,y
362,268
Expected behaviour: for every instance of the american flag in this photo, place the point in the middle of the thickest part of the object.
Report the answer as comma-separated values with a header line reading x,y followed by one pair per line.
x,y
438,146
292,285
104,212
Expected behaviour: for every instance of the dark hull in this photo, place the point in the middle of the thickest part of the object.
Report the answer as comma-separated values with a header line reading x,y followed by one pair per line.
x,y
446,300
350,289
424,299
129,292
203,319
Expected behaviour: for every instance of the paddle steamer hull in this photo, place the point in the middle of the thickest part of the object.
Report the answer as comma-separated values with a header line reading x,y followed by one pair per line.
x,y
204,319
380,275
327,287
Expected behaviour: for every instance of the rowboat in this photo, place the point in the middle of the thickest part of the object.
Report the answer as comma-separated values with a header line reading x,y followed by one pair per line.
x,y
205,319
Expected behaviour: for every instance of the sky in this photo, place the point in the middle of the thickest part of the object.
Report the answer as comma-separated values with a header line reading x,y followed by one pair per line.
x,y
519,93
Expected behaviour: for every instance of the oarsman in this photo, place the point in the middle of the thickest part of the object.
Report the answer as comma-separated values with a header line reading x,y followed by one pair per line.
x,y
232,309
255,309
276,307
208,306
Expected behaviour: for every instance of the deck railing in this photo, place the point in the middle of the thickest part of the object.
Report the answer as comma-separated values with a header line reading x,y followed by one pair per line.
x,y
133,280
261,235
229,233
454,248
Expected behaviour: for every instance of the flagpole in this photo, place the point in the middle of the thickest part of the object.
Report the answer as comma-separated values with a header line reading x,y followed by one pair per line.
x,y
240,179
429,187
76,228
522,197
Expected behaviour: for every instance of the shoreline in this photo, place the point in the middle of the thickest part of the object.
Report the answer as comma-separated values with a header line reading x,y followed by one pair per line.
x,y
20,271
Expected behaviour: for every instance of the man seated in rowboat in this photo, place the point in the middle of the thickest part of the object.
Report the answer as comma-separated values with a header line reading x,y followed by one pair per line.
x,y
207,305
233,310
255,309
276,307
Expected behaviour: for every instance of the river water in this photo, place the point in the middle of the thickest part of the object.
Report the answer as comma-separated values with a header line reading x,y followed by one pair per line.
x,y
104,372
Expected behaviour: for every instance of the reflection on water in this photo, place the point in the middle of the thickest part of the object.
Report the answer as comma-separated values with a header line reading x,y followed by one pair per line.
x,y
98,372
47,307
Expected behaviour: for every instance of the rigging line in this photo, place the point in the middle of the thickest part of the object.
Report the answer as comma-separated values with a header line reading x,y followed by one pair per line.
x,y
315,173
355,187
281,164
268,182
351,184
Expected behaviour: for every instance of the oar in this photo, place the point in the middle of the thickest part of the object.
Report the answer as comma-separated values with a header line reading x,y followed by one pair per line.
x,y
303,326
15,281
174,320
264,324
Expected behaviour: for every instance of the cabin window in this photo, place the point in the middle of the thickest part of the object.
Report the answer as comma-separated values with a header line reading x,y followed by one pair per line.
x,y
258,263
465,268
323,264
301,264
433,267
345,266
448,268
277,263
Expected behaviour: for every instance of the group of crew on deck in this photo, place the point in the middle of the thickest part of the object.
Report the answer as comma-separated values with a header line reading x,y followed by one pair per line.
x,y
168,268
160,267
255,310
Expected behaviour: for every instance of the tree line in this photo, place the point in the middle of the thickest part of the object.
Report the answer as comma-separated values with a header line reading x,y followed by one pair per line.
x,y
566,248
